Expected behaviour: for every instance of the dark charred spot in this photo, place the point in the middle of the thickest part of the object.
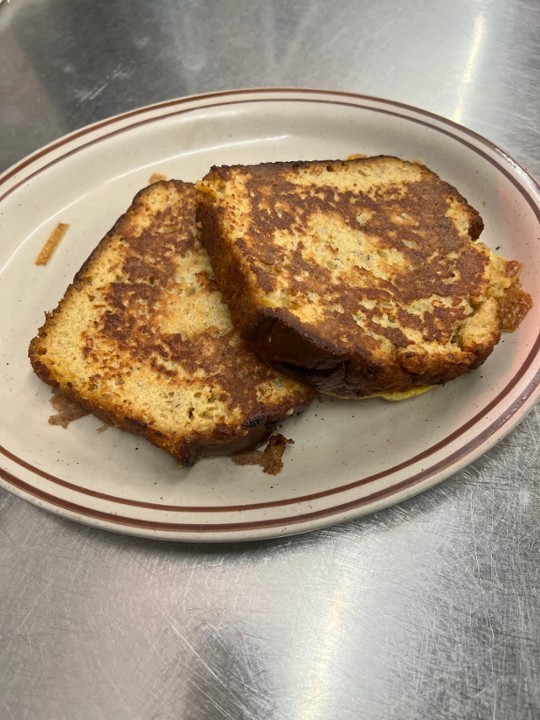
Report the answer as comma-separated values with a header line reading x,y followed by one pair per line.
x,y
254,421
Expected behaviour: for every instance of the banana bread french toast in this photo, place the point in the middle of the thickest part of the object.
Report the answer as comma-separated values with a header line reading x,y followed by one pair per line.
x,y
143,339
361,277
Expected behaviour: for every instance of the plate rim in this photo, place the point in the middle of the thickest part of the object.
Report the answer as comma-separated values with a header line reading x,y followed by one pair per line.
x,y
262,528
75,134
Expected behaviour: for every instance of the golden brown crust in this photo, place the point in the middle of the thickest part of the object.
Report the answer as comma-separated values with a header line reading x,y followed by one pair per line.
x,y
144,340
360,276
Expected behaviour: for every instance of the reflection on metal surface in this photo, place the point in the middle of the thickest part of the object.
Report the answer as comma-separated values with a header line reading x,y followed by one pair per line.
x,y
466,82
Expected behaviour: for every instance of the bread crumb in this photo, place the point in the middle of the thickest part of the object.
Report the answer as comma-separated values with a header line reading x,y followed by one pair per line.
x,y
270,459
51,244
156,177
67,410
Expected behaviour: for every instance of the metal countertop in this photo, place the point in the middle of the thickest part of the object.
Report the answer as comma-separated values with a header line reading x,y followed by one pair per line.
x,y
429,609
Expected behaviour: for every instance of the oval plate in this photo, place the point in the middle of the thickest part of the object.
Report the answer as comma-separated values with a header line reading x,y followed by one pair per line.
x,y
348,458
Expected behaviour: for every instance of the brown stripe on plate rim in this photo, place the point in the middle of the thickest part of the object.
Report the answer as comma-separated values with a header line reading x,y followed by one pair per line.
x,y
358,105
429,477
447,462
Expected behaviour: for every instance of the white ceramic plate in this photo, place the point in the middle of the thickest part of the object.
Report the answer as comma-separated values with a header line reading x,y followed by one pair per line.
x,y
348,458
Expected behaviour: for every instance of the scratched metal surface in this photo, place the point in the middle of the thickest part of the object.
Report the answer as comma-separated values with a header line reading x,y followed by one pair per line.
x,y
427,610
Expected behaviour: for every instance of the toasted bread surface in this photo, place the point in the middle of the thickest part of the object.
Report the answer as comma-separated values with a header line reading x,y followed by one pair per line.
x,y
143,339
360,277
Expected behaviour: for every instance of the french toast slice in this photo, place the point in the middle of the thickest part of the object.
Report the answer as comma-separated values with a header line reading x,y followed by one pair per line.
x,y
361,277
143,339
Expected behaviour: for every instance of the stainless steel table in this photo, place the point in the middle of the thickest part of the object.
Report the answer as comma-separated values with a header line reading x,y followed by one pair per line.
x,y
427,610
